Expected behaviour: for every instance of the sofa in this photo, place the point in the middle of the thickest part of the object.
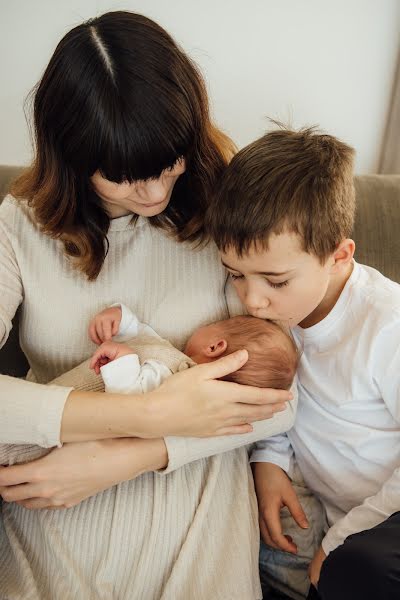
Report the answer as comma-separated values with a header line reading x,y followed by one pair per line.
x,y
376,233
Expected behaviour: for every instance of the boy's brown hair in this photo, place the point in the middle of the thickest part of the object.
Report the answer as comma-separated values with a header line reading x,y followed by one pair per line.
x,y
296,181
273,356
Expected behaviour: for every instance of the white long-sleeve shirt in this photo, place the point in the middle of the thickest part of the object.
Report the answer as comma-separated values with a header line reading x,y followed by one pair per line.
x,y
126,375
346,437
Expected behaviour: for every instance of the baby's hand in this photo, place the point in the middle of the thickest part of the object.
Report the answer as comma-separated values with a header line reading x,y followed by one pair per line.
x,y
105,324
107,352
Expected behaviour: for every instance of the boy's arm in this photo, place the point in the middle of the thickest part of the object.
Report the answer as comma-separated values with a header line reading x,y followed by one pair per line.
x,y
373,511
184,450
276,450
385,369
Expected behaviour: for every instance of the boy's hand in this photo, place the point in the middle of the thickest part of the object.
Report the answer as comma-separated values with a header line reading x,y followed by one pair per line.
x,y
108,352
274,491
314,570
105,324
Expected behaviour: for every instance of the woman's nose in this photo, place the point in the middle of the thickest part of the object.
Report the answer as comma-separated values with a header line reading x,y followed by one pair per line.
x,y
154,191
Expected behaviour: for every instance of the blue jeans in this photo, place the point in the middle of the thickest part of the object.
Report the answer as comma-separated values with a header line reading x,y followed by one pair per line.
x,y
285,572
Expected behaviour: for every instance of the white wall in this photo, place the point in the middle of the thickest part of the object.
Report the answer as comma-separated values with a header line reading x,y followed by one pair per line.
x,y
326,62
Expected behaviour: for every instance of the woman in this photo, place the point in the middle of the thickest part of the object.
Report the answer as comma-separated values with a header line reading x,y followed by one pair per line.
x,y
126,160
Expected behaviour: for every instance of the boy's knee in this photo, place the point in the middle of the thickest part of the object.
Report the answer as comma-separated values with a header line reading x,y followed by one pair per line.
x,y
354,571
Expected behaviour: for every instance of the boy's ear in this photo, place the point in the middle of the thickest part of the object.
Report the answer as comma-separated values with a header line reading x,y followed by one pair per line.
x,y
343,255
216,349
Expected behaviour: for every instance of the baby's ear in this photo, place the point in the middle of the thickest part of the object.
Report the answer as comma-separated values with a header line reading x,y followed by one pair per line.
x,y
216,349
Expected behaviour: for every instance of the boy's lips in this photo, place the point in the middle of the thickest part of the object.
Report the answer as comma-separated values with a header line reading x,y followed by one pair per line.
x,y
260,313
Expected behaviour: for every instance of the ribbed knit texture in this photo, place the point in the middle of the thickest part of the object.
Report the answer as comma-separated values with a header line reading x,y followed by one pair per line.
x,y
191,534
84,378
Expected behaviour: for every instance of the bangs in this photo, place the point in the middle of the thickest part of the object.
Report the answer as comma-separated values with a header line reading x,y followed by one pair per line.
x,y
139,145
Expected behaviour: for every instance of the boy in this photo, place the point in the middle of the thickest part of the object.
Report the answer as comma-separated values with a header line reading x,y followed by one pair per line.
x,y
282,220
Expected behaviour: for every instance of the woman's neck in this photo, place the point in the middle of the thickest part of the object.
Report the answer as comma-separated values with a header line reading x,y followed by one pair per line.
x,y
115,211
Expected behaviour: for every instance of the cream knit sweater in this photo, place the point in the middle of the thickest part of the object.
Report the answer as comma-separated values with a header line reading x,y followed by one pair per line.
x,y
190,533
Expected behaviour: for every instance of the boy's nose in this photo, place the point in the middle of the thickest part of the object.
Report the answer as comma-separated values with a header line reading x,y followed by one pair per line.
x,y
260,313
256,302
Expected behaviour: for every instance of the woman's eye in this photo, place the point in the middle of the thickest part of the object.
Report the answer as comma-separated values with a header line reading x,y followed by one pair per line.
x,y
278,285
234,277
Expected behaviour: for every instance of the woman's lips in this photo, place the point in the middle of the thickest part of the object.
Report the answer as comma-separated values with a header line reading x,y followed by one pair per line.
x,y
154,204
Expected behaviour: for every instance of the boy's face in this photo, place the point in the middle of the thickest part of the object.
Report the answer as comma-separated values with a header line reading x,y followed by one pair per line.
x,y
283,283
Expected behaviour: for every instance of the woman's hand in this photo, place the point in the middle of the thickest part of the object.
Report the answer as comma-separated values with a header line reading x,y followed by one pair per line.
x,y
74,472
105,324
192,403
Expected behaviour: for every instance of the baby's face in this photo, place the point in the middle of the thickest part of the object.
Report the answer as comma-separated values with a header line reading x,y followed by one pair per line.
x,y
202,339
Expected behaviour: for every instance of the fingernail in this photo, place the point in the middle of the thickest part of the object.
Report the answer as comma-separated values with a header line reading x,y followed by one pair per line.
x,y
290,396
242,354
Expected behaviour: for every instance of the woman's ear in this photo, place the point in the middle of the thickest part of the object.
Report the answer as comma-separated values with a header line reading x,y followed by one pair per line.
x,y
216,349
343,255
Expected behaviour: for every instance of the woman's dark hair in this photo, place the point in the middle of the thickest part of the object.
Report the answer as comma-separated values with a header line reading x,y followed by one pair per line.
x,y
119,96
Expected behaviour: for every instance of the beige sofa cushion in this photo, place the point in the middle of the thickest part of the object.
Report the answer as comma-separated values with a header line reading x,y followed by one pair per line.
x,y
377,226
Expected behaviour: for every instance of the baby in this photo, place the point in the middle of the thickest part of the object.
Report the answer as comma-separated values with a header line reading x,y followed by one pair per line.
x,y
272,362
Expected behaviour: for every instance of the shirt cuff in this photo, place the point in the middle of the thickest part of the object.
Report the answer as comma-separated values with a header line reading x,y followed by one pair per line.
x,y
260,455
35,415
129,324
178,449
330,542
121,374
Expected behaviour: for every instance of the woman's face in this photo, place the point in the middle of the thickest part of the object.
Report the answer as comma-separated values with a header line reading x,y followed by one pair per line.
x,y
145,198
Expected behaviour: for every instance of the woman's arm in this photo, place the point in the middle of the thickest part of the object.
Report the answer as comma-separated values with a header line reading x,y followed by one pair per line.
x,y
182,450
56,480
69,475
191,403
192,393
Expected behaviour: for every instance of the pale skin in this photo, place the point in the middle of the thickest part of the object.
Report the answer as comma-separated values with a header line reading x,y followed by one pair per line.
x,y
287,284
105,426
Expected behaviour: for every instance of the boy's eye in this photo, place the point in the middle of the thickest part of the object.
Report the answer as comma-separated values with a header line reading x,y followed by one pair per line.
x,y
277,285
234,277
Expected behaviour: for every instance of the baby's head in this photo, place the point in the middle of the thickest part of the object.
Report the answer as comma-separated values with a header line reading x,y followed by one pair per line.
x,y
273,356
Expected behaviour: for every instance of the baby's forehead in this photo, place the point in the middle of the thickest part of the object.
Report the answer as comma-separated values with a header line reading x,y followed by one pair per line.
x,y
211,328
